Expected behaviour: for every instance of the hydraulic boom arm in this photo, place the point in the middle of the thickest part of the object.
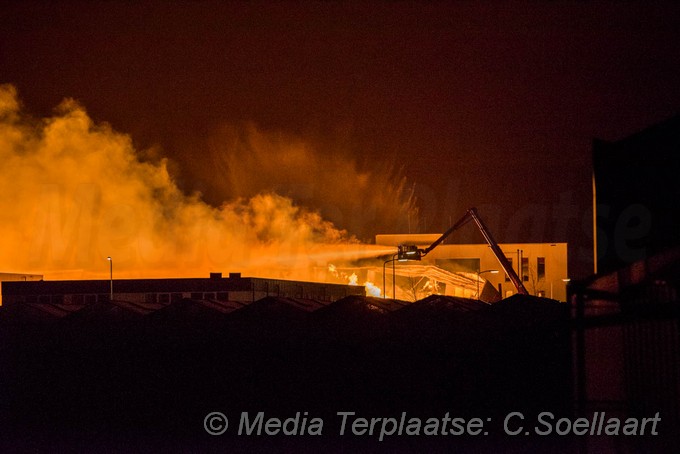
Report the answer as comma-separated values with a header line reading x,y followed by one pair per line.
x,y
471,214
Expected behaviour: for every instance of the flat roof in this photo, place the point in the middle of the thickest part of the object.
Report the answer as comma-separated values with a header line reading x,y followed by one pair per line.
x,y
169,285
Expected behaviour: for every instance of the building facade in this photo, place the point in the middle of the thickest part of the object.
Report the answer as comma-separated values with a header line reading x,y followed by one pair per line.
x,y
542,267
165,291
635,191
9,277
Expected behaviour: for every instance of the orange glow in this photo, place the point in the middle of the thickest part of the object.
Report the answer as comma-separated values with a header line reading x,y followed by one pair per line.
x,y
353,279
363,197
413,281
73,192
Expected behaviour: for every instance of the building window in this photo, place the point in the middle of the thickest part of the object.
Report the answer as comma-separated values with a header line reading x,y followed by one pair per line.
x,y
507,278
78,299
540,267
196,295
525,269
208,296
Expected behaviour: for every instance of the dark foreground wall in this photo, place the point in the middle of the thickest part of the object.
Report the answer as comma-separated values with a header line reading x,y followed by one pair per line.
x,y
636,187
102,379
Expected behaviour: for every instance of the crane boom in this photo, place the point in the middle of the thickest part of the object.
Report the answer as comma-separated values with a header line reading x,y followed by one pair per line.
x,y
471,215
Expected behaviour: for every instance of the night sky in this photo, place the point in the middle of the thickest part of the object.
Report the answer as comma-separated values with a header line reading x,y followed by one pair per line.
x,y
487,104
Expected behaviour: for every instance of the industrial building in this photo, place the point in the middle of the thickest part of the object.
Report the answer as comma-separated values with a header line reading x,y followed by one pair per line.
x,y
626,341
234,288
113,367
635,191
543,267
8,277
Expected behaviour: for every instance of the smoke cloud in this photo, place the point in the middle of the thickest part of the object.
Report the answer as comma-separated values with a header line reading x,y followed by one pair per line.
x,y
365,197
73,192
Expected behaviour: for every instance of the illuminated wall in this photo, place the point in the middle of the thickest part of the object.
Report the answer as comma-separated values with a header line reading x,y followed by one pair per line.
x,y
544,264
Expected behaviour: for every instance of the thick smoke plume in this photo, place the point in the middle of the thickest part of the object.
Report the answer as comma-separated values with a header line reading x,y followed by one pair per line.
x,y
363,196
73,192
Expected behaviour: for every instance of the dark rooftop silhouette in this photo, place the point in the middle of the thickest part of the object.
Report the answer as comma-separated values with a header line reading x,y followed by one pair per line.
x,y
130,368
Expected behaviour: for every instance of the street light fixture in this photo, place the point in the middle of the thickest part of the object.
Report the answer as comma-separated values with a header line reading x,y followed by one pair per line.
x,y
565,280
110,277
482,272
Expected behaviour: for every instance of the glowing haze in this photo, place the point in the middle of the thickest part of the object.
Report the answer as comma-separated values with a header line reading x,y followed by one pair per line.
x,y
247,160
73,192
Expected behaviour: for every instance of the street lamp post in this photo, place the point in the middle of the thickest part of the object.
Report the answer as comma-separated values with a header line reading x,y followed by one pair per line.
x,y
482,272
393,278
110,277
565,280
405,253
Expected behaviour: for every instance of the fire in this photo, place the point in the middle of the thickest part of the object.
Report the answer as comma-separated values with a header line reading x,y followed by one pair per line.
x,y
431,287
353,279
413,282
73,192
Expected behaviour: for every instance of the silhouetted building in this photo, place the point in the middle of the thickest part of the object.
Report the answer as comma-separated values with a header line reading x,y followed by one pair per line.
x,y
627,345
636,183
5,277
122,368
626,350
164,291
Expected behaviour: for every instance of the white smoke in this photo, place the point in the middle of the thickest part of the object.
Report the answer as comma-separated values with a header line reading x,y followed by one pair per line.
x,y
73,192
